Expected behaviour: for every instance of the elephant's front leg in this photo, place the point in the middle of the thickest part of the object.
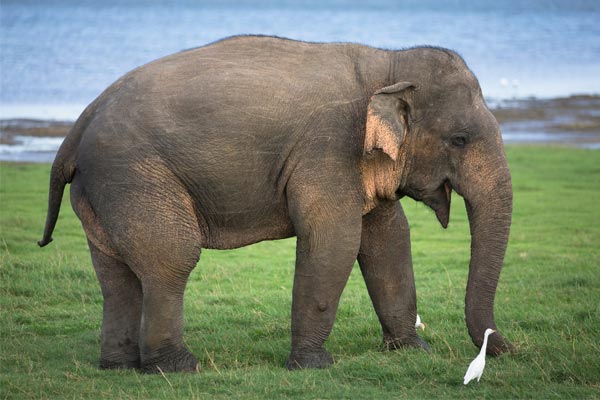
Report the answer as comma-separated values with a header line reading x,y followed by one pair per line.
x,y
386,265
327,247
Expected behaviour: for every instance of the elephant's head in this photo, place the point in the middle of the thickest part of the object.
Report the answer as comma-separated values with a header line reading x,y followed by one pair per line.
x,y
434,133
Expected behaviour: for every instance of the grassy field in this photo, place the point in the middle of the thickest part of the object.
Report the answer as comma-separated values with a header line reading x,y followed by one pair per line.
x,y
238,305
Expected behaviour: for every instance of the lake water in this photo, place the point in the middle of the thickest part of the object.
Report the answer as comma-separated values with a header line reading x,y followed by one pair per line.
x,y
31,149
58,55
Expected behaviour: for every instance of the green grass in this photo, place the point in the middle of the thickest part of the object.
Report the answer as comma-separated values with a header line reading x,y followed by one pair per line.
x,y
238,305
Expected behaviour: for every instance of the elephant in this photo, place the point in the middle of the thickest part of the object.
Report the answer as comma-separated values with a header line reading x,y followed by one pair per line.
x,y
255,138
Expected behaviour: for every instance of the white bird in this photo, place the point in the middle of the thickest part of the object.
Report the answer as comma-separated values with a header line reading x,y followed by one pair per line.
x,y
476,367
419,324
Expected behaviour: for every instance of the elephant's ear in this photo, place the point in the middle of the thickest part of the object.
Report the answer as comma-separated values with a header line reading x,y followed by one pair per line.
x,y
387,119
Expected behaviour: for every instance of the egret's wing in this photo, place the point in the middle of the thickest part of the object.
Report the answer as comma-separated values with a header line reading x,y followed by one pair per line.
x,y
474,370
469,375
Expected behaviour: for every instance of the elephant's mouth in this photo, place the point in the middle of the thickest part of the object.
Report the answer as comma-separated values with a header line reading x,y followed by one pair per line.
x,y
439,201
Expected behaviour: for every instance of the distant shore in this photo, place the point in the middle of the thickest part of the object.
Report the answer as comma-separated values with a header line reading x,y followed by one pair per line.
x,y
568,121
573,120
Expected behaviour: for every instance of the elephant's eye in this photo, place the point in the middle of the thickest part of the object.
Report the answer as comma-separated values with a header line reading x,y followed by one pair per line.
x,y
459,140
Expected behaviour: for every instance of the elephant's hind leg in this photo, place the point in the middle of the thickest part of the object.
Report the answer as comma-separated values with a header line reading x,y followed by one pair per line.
x,y
165,271
122,311
164,268
154,225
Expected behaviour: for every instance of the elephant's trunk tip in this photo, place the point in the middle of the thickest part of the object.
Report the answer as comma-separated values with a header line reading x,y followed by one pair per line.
x,y
45,241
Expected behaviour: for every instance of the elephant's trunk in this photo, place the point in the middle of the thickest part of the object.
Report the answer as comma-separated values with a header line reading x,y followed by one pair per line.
x,y
490,213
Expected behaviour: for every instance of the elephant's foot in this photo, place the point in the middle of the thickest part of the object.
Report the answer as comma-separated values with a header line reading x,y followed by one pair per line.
x,y
170,360
309,359
106,363
125,357
390,343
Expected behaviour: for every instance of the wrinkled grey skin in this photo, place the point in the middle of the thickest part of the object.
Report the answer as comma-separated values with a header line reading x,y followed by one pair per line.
x,y
258,138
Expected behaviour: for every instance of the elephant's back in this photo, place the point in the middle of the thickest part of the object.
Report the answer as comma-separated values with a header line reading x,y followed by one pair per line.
x,y
269,80
241,93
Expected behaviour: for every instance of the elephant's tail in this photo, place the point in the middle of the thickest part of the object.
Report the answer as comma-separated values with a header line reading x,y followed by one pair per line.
x,y
63,171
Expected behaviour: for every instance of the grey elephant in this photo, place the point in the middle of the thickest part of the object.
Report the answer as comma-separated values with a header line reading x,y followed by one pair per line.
x,y
257,138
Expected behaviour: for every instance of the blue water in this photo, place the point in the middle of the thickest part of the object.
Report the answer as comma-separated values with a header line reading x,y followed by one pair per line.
x,y
58,55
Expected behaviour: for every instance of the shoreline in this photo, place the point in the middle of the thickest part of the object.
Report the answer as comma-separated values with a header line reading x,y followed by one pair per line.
x,y
570,121
565,121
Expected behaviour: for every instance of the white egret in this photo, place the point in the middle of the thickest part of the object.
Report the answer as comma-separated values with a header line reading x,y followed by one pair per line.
x,y
419,324
476,367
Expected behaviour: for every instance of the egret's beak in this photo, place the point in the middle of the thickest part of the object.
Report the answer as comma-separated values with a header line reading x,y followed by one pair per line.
x,y
493,331
422,326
